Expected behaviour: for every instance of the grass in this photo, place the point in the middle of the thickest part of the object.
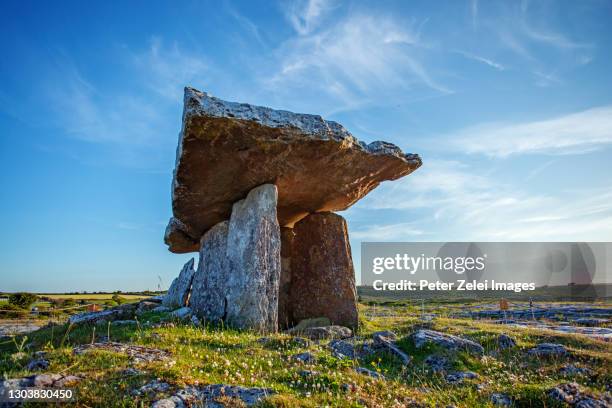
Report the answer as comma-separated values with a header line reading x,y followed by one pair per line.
x,y
218,355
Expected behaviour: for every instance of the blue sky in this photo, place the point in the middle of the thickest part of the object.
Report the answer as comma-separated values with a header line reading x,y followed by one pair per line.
x,y
509,104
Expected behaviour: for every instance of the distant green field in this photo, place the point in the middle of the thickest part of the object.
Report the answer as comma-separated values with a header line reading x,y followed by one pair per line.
x,y
91,296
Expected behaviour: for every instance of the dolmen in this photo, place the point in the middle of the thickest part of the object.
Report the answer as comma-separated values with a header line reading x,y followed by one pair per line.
x,y
255,192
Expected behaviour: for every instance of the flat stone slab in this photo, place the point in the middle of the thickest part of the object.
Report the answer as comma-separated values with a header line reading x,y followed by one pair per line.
x,y
137,354
446,341
226,149
209,396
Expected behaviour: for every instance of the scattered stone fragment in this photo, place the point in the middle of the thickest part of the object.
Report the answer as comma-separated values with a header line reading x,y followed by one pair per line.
x,y
152,388
122,312
383,340
146,306
548,349
307,323
306,357
161,309
226,149
309,373
590,321
156,298
327,332
195,321
130,372
183,313
436,362
207,396
505,342
572,394
459,376
123,322
342,349
369,373
447,341
386,334
178,293
501,400
37,364
571,370
39,381
138,354
300,341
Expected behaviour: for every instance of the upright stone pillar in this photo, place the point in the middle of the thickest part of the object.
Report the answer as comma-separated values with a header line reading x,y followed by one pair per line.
x,y
284,301
253,251
238,275
321,271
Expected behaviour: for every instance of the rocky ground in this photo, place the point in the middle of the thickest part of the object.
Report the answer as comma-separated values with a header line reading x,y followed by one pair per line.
x,y
148,355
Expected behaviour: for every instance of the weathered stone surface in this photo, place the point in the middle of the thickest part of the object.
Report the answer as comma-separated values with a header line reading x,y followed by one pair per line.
x,y
182,313
238,277
505,342
208,396
573,395
122,312
386,341
447,341
178,293
306,357
146,306
226,149
327,332
253,251
137,354
284,286
548,349
459,376
208,292
501,400
369,373
322,276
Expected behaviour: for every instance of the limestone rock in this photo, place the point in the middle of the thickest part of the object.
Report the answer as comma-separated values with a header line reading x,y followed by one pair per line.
x,y
447,341
322,275
183,313
208,292
385,341
146,306
305,357
548,349
179,290
573,395
306,323
327,332
369,373
137,354
207,396
501,400
237,280
253,251
226,149
284,286
505,342
123,312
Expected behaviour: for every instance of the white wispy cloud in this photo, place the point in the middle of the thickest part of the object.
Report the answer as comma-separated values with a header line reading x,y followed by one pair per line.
x,y
167,68
579,132
305,15
483,60
360,57
461,203
391,232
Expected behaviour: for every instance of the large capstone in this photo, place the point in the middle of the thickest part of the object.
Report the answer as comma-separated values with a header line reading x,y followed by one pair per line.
x,y
178,293
226,149
322,278
238,276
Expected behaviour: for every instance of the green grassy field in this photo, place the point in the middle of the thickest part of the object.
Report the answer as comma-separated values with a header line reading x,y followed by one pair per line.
x,y
217,355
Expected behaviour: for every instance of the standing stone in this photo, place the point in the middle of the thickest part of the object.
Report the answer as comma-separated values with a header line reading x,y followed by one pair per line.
x,y
322,274
253,251
178,293
209,289
238,277
284,305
